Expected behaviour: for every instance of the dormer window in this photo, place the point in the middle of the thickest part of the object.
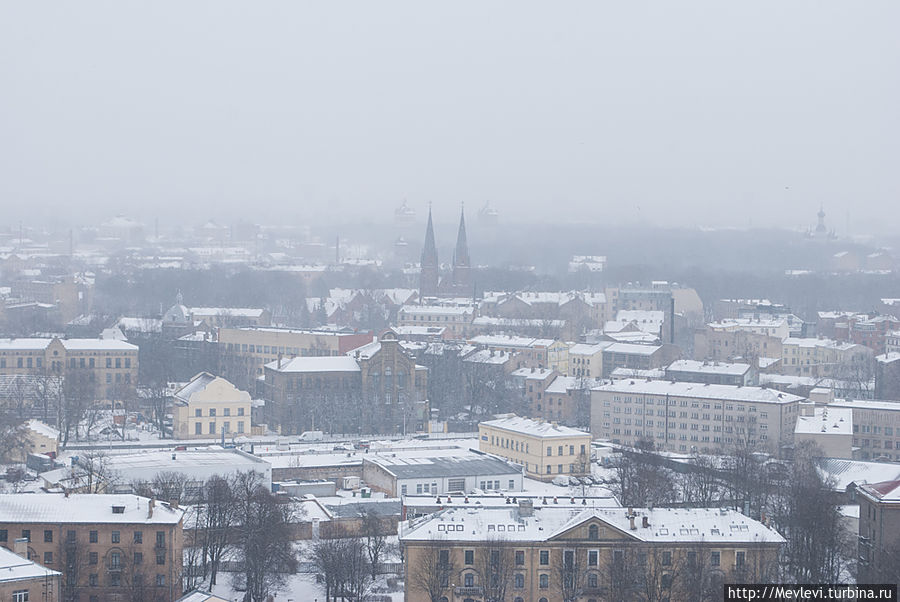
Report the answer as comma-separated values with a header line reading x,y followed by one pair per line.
x,y
593,532
118,509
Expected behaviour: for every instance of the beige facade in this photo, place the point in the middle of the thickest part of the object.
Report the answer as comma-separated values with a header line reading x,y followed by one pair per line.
x,y
876,428
208,406
98,368
822,357
457,321
40,438
107,547
546,553
24,580
546,450
879,532
586,361
248,350
687,417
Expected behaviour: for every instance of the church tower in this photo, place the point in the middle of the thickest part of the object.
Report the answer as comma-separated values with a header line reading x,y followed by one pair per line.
x,y
462,279
428,276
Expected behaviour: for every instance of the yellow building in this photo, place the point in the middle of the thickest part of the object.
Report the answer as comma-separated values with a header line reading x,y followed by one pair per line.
x,y
208,406
545,449
586,361
561,551
40,438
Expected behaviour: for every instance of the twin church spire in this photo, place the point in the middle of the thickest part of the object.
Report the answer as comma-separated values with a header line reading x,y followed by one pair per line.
x,y
458,283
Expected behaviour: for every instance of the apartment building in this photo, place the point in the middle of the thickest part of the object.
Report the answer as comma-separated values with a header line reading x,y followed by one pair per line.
x,y
887,376
107,547
567,400
586,361
546,450
533,382
714,373
246,351
457,320
876,428
22,580
879,532
102,368
209,406
687,417
533,352
638,357
220,317
547,552
728,339
822,357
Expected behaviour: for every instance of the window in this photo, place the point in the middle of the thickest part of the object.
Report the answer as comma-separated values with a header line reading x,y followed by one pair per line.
x,y
138,558
240,426
520,581
715,558
544,557
48,557
593,532
470,557
48,536
592,581
593,557
160,539
549,451
240,411
138,537
739,558
667,558
70,536
92,580
544,582
212,411
212,428
198,413
520,557
161,557
4,535
93,558
469,579
198,429
456,484
115,537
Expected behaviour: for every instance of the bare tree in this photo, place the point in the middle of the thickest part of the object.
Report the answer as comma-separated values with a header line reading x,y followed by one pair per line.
x,y
12,435
217,515
658,571
700,485
432,570
91,473
570,577
698,579
641,479
262,538
375,535
494,564
327,557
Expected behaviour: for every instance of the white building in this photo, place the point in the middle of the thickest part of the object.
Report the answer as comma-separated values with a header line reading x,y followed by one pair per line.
x,y
831,428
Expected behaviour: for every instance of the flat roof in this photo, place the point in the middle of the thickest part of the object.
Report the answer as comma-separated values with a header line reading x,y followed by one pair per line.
x,y
533,428
333,363
730,369
826,421
468,465
699,391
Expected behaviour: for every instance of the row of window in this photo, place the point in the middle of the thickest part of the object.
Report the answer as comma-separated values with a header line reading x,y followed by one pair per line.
x,y
212,412
38,362
198,427
93,536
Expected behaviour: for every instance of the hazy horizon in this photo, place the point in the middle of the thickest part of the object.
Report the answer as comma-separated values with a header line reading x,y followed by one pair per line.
x,y
609,113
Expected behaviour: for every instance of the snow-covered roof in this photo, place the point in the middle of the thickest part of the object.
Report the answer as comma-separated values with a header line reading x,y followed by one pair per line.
x,y
84,508
499,340
867,404
632,349
888,358
847,472
42,429
436,310
533,373
460,465
709,367
826,420
533,428
163,460
97,344
625,373
884,492
15,568
237,312
550,522
586,349
338,363
699,391
486,356
24,344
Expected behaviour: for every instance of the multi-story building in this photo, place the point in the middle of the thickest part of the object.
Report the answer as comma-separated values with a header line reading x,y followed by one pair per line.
x,y
586,361
887,376
232,317
244,351
546,450
830,428
382,387
533,382
457,320
637,357
824,357
559,551
98,368
746,338
209,406
686,417
567,400
879,532
876,428
22,580
892,342
538,353
107,547
714,373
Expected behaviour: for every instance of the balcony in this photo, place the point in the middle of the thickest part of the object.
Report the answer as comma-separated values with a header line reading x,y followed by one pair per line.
x,y
468,591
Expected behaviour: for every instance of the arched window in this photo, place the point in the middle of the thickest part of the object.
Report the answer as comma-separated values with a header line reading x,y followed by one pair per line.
x,y
543,600
469,579
592,580
593,532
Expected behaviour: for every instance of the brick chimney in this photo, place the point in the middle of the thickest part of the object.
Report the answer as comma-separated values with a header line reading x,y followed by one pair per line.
x,y
526,507
20,547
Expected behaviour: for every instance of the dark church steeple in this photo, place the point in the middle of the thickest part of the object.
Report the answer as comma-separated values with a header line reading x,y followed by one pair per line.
x,y
428,277
461,264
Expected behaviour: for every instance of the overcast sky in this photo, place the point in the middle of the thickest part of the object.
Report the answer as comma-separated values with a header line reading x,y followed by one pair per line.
x,y
713,112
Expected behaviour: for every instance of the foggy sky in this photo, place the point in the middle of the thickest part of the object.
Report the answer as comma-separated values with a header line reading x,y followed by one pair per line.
x,y
664,113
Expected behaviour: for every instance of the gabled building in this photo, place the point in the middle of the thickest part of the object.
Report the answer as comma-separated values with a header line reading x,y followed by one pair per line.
x,y
210,406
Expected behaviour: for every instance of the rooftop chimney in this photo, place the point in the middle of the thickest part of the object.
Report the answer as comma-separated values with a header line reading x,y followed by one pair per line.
x,y
150,508
20,547
526,507
645,522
